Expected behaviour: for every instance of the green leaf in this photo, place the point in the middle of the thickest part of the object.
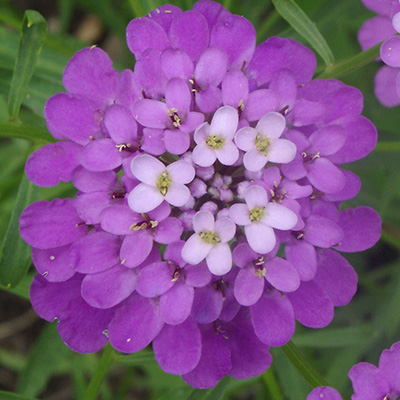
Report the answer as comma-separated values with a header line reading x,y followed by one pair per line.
x,y
300,22
15,254
216,393
24,131
12,396
140,358
47,354
34,29
335,337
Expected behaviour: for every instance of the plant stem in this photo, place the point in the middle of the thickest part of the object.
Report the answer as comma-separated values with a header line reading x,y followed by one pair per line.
x,y
100,373
271,384
309,373
351,64
388,146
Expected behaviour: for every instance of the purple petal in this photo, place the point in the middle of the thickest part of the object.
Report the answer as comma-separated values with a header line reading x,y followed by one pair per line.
x,y
89,73
225,229
118,219
136,323
128,92
279,217
245,138
389,364
256,196
100,155
303,257
90,205
46,224
181,172
219,259
325,393
249,286
53,264
249,356
120,124
328,140
197,275
236,35
155,279
212,11
243,254
80,326
53,163
211,67
207,304
224,122
177,348
189,32
282,275
176,63
312,307
390,51
271,125
275,54
176,303
203,155
385,86
273,319
153,141
322,232
143,33
235,88
95,252
108,288
151,113
228,154
147,168
325,176
254,160
261,237
239,213
209,100
89,181
350,189
178,96
336,277
68,117
164,15
368,381
203,221
144,198
214,362
168,231
177,195
195,250
361,140
259,103
135,248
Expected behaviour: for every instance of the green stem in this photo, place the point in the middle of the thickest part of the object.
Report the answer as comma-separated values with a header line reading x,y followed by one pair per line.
x,y
227,4
351,64
100,373
271,384
388,146
309,373
136,6
269,22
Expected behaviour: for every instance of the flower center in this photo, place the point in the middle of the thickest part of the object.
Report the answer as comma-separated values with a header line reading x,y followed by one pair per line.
x,y
143,225
257,214
215,142
210,237
173,114
262,144
163,183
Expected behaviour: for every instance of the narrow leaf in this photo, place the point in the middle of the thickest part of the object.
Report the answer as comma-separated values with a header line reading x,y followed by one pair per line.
x,y
34,29
216,393
300,22
48,352
11,396
15,254
26,131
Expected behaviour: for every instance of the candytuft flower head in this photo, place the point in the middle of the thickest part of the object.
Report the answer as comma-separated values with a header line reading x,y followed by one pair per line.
x,y
207,217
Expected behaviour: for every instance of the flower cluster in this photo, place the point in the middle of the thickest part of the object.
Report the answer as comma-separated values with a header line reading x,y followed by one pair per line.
x,y
370,382
384,26
207,219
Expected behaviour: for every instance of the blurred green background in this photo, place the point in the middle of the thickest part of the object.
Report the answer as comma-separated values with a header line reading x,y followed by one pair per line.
x,y
33,360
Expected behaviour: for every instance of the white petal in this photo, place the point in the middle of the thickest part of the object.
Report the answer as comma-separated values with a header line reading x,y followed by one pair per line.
x,y
201,133
219,259
228,154
239,213
254,160
144,198
177,194
279,217
203,221
260,237
225,229
147,169
181,172
271,125
225,122
195,250
281,151
245,138
203,155
256,196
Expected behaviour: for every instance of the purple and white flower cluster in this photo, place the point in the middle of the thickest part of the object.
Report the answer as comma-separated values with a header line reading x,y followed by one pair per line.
x,y
384,26
370,382
207,219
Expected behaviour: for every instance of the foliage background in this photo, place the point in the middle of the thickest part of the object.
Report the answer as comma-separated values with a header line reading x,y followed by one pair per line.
x,y
34,363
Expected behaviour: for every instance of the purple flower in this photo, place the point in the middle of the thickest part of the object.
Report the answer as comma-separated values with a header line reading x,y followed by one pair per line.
x,y
370,382
167,160
259,217
210,242
159,183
